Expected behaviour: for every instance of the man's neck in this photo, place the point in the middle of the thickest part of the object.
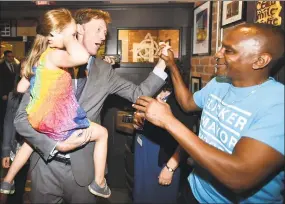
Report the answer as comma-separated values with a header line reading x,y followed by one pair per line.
x,y
251,82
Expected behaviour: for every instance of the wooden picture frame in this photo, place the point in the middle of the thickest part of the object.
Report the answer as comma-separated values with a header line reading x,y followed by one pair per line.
x,y
196,84
202,29
233,12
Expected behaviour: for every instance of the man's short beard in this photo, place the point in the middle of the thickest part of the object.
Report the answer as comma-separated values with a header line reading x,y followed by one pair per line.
x,y
223,78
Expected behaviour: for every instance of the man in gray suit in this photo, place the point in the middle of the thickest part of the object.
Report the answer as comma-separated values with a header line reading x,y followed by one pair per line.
x,y
63,170
12,142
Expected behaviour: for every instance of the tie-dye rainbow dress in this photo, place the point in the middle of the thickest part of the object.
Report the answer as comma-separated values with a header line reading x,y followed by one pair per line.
x,y
53,109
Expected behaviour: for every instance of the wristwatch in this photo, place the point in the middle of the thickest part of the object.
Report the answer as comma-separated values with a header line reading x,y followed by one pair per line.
x,y
169,168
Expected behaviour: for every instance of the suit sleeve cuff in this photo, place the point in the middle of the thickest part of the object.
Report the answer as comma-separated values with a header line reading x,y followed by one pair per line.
x,y
160,72
53,152
6,152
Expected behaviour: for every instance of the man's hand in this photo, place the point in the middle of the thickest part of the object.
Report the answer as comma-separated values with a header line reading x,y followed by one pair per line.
x,y
109,59
6,162
155,110
138,120
169,60
4,98
77,139
162,50
165,177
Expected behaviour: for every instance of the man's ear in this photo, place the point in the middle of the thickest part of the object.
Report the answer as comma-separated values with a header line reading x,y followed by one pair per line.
x,y
262,61
51,36
80,29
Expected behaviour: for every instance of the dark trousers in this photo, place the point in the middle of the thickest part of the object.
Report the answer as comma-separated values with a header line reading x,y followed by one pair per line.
x,y
146,172
20,182
3,105
187,195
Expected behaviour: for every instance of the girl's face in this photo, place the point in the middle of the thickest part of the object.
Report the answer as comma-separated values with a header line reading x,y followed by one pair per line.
x,y
56,39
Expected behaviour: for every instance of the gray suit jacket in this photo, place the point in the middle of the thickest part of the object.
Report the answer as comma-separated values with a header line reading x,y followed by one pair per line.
x,y
9,132
102,81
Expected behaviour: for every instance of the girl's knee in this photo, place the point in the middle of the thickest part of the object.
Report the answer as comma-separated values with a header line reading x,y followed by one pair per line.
x,y
102,133
99,131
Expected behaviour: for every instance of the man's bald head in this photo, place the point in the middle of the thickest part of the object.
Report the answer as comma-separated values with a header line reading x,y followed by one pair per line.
x,y
269,39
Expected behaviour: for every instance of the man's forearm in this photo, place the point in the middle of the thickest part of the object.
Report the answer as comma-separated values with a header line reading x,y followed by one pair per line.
x,y
174,160
182,94
41,143
6,144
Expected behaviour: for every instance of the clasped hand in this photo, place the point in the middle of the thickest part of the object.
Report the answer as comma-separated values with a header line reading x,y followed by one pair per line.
x,y
155,111
76,140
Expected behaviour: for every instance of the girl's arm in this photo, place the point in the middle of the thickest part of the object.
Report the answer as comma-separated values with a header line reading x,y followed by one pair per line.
x,y
74,55
23,85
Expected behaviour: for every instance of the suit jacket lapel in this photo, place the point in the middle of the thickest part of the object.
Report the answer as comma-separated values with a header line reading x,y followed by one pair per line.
x,y
89,82
71,72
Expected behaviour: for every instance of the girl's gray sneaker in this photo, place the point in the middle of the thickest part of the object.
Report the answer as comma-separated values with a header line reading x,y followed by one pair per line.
x,y
7,188
95,189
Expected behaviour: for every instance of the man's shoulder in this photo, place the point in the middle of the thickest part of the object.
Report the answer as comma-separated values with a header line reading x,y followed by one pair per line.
x,y
101,63
274,92
2,66
100,68
2,63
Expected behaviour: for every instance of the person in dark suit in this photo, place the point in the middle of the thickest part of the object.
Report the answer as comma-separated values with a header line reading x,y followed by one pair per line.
x,y
8,71
12,142
62,171
157,157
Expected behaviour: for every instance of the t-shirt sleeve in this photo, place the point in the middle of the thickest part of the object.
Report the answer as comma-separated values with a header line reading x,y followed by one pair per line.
x,y
201,96
269,128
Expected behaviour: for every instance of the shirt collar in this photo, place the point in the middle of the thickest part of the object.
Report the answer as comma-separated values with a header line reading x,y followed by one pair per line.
x,y
7,63
90,60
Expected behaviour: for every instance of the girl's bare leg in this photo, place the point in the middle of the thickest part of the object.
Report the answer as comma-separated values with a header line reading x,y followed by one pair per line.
x,y
100,136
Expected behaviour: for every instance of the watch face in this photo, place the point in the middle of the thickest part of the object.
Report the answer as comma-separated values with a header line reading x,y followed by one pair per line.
x,y
169,169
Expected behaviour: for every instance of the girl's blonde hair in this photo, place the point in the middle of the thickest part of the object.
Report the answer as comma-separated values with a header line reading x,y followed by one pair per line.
x,y
53,20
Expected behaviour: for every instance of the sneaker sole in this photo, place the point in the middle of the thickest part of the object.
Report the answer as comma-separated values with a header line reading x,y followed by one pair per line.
x,y
7,191
98,194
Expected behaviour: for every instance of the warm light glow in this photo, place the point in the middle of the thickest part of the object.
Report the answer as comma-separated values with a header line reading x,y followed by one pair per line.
x,y
44,3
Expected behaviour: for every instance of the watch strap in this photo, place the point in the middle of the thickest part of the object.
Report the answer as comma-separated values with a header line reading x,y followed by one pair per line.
x,y
169,168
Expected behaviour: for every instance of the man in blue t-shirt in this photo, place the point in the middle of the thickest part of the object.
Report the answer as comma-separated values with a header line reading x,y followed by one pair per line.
x,y
239,154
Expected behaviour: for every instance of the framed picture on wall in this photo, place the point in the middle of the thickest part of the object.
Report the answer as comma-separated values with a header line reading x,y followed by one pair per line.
x,y
196,84
202,29
233,12
269,12
141,45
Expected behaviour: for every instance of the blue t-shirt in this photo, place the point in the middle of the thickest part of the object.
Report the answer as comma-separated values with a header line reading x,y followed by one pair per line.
x,y
230,113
